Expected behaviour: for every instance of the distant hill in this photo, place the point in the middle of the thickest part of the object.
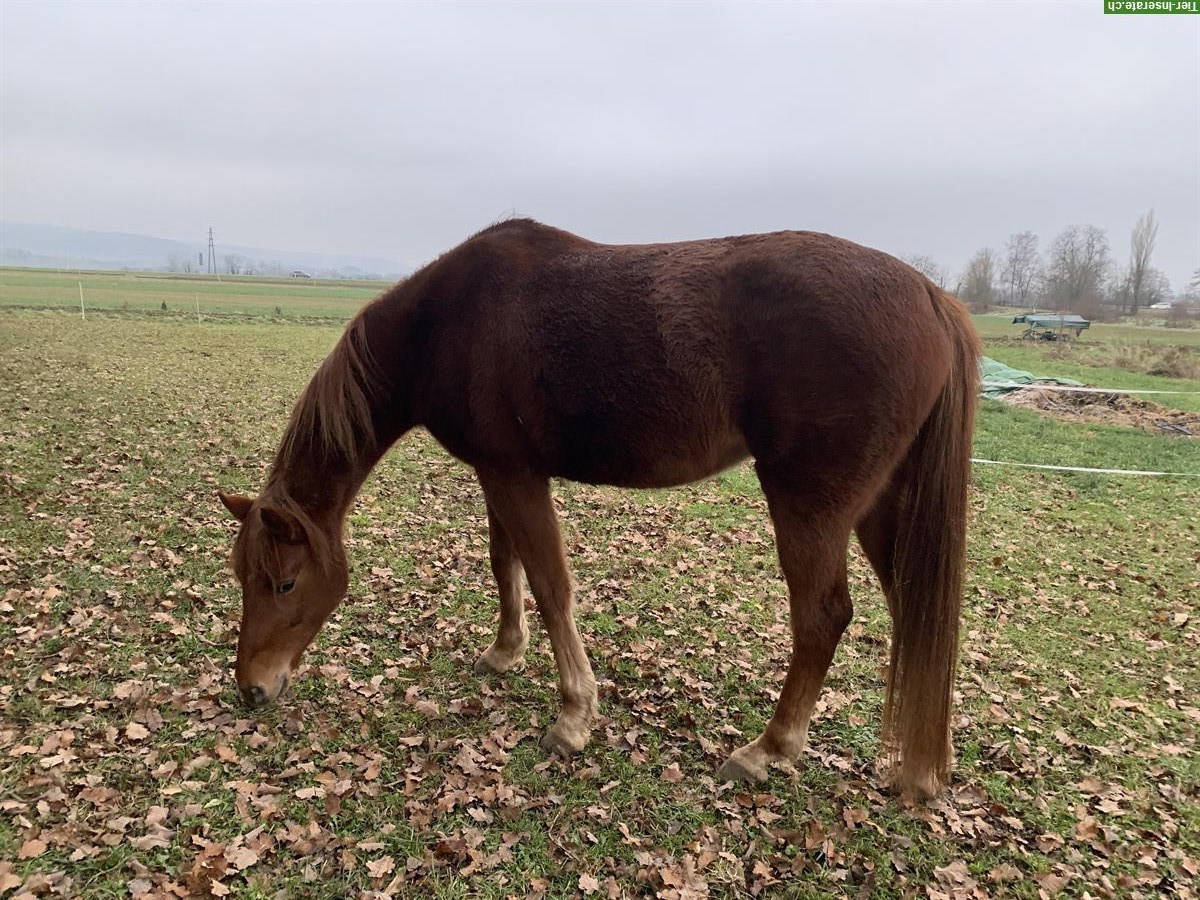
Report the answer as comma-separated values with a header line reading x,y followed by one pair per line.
x,y
57,246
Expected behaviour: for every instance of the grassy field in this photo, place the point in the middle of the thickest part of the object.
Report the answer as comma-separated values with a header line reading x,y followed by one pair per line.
x,y
1145,330
1135,357
128,768
226,295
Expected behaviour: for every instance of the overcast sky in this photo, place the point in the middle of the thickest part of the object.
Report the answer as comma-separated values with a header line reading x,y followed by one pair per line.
x,y
397,129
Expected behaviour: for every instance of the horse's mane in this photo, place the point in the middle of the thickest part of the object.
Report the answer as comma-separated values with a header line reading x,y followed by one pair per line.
x,y
332,418
510,221
330,425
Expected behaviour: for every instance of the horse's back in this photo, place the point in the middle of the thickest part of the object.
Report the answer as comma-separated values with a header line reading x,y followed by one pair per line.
x,y
659,364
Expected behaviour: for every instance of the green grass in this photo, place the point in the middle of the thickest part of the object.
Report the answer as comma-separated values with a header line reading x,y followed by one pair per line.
x,y
1022,435
146,292
999,325
1077,691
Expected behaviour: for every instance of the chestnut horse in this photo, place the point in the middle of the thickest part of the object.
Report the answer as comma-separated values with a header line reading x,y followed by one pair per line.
x,y
530,353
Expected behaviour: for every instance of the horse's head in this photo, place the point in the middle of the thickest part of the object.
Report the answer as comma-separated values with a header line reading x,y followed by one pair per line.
x,y
293,576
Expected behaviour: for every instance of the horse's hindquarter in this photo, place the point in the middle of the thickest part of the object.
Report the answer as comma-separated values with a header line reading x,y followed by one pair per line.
x,y
841,354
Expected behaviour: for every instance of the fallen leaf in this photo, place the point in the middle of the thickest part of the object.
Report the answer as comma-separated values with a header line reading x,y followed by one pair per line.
x,y
8,878
380,867
241,858
1004,872
31,849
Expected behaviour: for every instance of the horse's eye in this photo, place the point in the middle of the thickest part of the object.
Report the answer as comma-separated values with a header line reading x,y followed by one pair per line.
x,y
286,587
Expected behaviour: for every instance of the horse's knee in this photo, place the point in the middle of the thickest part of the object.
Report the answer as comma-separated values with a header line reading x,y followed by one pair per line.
x,y
839,611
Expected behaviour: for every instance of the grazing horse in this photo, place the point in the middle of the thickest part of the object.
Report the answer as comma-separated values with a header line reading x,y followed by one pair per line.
x,y
530,353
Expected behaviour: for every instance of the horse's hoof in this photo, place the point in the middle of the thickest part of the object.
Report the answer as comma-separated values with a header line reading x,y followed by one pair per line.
x,y
741,769
564,740
918,788
494,661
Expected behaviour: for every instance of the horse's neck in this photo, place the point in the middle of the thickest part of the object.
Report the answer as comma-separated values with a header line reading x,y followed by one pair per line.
x,y
357,405
324,487
348,417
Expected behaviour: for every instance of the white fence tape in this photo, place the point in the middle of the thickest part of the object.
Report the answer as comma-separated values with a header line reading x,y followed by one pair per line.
x,y
1049,386
994,462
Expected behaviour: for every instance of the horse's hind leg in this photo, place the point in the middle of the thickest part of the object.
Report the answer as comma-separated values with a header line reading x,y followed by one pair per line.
x,y
523,506
877,532
508,649
812,553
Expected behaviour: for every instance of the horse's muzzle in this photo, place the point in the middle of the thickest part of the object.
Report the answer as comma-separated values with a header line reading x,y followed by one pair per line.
x,y
254,696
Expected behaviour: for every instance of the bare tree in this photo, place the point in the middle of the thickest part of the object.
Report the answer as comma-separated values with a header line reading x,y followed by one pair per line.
x,y
234,264
176,263
1190,295
977,286
1077,265
927,267
1141,247
1020,266
1157,287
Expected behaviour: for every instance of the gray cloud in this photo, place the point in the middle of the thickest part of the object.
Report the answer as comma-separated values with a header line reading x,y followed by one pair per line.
x,y
396,130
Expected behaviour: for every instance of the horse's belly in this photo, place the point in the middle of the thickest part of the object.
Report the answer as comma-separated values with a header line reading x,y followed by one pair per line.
x,y
654,460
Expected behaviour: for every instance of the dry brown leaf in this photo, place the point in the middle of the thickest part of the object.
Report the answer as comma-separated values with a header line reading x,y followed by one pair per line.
x,y
381,867
156,815
1003,873
31,849
1051,883
955,874
241,857
8,878
1087,829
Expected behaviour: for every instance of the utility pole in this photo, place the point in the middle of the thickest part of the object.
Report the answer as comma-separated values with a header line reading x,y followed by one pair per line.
x,y
212,258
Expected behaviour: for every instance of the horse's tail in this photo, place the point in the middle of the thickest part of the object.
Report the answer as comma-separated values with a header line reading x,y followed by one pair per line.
x,y
930,556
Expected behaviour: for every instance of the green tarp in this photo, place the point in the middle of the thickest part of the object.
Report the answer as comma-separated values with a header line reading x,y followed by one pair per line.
x,y
996,378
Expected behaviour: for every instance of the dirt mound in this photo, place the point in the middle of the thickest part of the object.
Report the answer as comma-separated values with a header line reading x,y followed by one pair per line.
x,y
1111,409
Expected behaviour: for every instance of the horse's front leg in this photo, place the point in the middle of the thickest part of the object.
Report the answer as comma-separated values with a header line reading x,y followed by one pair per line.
x,y
523,506
508,650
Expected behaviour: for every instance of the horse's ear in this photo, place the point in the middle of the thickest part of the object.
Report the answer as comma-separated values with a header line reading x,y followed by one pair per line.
x,y
282,525
237,505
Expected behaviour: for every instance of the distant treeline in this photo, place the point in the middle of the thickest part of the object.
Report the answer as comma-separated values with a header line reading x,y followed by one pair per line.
x,y
237,264
1076,272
